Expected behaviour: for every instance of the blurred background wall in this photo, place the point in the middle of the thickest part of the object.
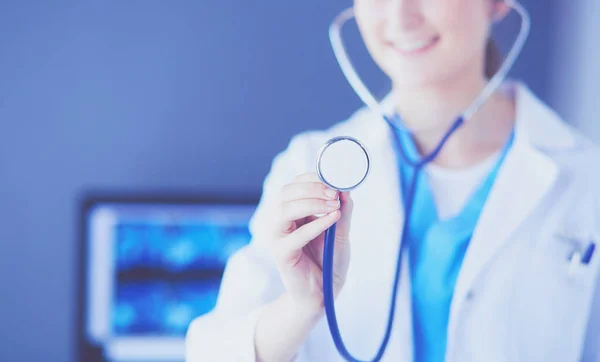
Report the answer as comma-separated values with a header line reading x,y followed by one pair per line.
x,y
576,65
182,96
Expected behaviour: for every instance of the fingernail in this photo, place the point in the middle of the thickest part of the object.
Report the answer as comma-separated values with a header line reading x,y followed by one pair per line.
x,y
333,204
330,193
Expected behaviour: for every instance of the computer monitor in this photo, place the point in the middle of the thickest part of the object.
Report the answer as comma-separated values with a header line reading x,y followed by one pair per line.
x,y
148,266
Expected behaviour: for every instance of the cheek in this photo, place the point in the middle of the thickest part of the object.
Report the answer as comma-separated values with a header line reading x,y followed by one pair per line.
x,y
371,24
463,23
464,29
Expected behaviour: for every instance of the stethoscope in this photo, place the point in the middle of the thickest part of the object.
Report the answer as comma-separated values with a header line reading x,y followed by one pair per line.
x,y
343,163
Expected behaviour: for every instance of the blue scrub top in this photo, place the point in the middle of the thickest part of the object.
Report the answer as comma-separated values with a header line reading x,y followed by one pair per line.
x,y
436,251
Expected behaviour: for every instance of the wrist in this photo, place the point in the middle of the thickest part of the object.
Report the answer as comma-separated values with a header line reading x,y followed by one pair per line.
x,y
309,311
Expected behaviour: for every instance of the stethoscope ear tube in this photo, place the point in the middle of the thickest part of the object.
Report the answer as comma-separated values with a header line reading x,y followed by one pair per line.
x,y
341,55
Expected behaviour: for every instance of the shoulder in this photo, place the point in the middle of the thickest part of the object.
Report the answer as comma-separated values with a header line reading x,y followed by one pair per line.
x,y
584,151
578,178
570,148
581,161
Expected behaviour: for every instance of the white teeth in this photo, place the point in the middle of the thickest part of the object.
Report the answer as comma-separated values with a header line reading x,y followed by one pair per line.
x,y
412,46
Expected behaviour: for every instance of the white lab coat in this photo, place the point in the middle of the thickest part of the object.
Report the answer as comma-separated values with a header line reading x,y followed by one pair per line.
x,y
517,297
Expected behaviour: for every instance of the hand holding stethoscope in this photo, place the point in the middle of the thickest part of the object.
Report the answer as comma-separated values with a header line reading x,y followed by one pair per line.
x,y
299,238
300,246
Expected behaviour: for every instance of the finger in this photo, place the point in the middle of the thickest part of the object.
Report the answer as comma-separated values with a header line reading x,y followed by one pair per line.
x,y
299,209
308,232
346,208
346,203
307,190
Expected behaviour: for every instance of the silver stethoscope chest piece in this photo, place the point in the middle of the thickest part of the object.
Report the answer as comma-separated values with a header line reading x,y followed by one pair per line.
x,y
343,163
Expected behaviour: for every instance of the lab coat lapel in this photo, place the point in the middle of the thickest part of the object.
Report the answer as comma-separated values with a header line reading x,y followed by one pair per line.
x,y
525,177
521,184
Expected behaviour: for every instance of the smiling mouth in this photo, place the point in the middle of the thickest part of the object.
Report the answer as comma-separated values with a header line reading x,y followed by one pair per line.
x,y
414,47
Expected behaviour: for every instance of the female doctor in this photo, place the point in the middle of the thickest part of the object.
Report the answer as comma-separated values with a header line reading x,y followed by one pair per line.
x,y
499,262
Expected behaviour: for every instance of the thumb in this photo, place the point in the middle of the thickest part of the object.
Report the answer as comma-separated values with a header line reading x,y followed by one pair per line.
x,y
343,224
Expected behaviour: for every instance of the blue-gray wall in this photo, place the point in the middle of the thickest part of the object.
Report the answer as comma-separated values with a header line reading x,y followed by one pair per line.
x,y
576,61
151,95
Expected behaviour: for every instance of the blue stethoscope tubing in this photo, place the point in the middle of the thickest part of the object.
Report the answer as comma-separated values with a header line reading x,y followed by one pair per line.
x,y
328,253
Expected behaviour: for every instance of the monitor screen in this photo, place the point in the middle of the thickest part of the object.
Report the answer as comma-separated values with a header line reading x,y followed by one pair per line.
x,y
151,268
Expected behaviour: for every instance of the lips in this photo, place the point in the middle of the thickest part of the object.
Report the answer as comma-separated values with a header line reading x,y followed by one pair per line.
x,y
412,47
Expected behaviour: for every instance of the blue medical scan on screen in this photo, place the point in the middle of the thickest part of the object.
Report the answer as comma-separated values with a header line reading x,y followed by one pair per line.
x,y
168,273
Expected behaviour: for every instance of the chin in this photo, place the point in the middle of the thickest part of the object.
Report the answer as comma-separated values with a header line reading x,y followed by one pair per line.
x,y
419,77
433,68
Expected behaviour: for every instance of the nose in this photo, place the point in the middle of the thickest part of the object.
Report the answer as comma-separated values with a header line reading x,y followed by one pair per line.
x,y
405,14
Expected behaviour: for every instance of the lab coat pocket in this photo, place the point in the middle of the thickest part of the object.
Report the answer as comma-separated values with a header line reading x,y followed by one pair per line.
x,y
572,260
552,302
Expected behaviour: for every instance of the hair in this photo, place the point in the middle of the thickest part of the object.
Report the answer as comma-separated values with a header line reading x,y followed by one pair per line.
x,y
493,59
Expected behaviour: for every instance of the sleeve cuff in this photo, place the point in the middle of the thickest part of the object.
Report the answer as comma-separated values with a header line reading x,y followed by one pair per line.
x,y
242,343
214,338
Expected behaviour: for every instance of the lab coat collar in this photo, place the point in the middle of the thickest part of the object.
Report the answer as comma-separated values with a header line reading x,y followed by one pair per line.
x,y
536,124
